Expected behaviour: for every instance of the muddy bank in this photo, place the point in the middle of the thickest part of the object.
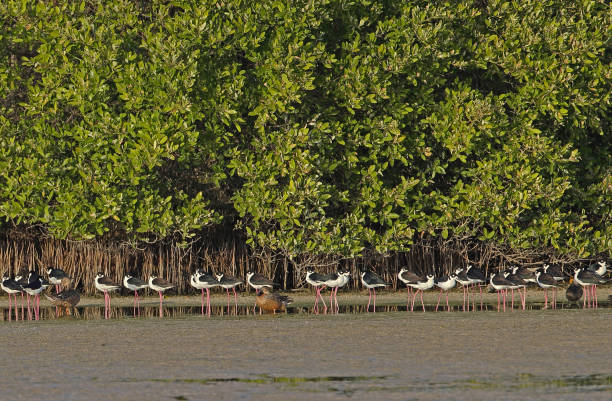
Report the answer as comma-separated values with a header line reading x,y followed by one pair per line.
x,y
550,355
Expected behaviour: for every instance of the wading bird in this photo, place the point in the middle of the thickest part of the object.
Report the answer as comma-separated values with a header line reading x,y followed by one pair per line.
x,y
371,281
11,287
518,284
202,280
445,284
229,282
422,284
135,284
160,285
599,270
588,280
258,281
335,281
546,281
408,277
318,281
58,278
476,277
500,283
34,288
465,282
527,276
105,285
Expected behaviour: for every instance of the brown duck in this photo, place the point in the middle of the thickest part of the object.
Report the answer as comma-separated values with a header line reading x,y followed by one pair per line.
x,y
573,292
271,302
66,299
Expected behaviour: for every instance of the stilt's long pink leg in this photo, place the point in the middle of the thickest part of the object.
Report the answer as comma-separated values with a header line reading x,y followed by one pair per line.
x,y
336,300
235,301
473,299
374,289
208,303
414,295
29,313
161,307
322,300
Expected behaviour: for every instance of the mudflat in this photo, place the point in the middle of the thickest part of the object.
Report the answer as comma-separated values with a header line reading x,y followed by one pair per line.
x,y
562,354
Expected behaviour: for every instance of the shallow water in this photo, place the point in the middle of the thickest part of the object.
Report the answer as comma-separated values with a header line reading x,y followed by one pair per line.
x,y
561,354
149,310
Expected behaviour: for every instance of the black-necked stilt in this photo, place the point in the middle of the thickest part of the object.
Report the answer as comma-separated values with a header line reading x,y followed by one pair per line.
x,y
554,271
574,292
445,284
406,276
475,277
22,279
527,276
599,270
271,302
66,299
58,277
371,281
135,284
318,281
160,285
421,285
546,281
259,281
335,281
518,284
557,274
587,279
202,280
104,284
500,283
34,288
11,287
229,282
463,279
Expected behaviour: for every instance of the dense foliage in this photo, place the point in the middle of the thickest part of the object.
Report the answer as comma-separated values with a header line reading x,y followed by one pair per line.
x,y
312,127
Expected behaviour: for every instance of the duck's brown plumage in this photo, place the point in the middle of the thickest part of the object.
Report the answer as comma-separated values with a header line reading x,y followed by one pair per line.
x,y
573,292
271,302
66,299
